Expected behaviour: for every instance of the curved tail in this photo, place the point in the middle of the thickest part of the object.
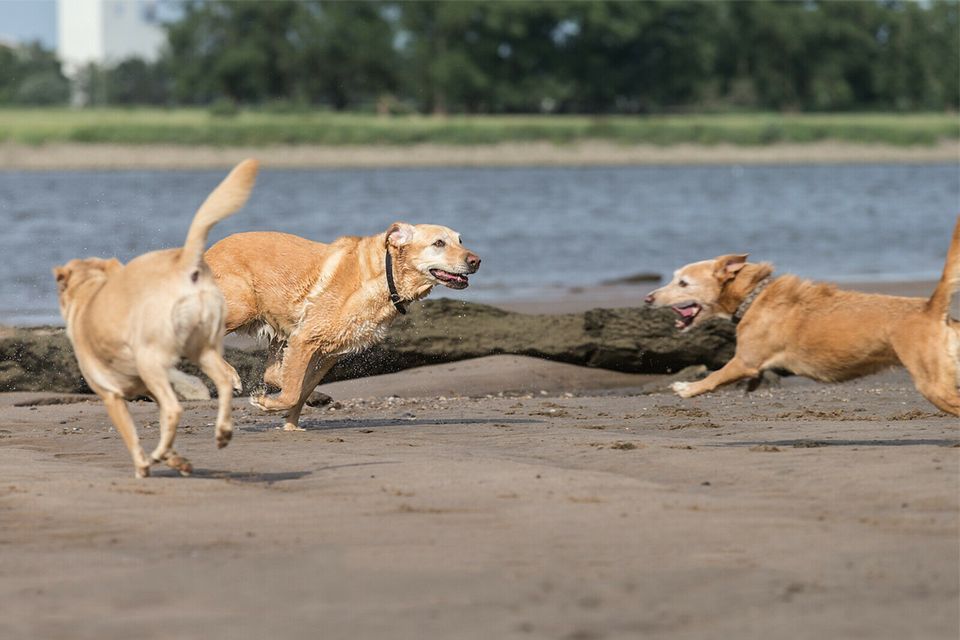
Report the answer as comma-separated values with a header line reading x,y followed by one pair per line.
x,y
225,200
949,284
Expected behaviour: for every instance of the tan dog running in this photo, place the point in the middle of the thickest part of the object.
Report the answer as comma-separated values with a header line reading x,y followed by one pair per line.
x,y
131,324
818,331
317,301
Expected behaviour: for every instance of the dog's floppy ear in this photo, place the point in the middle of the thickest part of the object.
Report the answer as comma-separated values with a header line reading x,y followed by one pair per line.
x,y
62,275
399,234
726,267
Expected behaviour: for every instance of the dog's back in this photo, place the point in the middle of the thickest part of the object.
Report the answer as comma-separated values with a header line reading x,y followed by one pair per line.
x,y
822,332
265,276
165,300
130,325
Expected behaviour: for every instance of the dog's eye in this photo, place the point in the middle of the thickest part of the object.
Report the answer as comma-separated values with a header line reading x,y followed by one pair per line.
x,y
683,283
439,243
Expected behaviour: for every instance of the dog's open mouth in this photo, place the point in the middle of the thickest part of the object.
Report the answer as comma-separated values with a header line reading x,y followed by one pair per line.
x,y
688,312
452,280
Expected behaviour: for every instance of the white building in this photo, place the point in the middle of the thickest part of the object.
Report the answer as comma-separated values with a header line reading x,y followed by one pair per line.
x,y
107,31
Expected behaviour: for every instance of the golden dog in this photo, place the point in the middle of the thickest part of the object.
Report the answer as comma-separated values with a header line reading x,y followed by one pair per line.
x,y
818,331
317,301
131,324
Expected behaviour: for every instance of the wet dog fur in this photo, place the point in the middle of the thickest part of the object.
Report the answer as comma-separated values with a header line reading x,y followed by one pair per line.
x,y
316,302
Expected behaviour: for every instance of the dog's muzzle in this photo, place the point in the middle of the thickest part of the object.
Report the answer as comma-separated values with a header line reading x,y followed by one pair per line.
x,y
458,280
450,279
688,312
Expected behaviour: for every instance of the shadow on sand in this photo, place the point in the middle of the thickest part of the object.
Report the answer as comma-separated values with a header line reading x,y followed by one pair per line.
x,y
810,444
376,423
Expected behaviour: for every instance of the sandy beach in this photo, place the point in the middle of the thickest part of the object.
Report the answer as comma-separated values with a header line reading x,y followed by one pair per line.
x,y
502,497
496,497
69,156
495,453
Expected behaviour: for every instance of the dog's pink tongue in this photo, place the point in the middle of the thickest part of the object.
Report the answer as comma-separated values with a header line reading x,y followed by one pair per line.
x,y
687,312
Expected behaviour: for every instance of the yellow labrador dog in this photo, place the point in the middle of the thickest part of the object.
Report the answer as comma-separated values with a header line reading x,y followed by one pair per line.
x,y
318,301
131,324
818,331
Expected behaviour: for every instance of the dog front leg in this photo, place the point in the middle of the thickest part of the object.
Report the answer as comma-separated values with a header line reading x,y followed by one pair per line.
x,y
297,360
317,370
123,421
734,370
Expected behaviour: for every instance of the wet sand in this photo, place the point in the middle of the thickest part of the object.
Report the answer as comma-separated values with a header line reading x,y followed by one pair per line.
x,y
592,153
570,507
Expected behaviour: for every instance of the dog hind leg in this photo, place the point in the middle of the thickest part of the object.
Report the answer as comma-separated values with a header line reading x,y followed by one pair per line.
x,y
123,421
235,380
188,387
923,350
154,376
222,374
942,393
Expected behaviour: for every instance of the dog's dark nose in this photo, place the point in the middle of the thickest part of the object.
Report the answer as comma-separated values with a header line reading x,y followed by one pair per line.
x,y
649,299
473,261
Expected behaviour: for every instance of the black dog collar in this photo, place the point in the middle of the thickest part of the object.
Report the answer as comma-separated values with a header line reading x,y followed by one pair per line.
x,y
392,287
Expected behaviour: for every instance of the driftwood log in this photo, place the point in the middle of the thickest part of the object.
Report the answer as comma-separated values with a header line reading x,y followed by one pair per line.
x,y
435,331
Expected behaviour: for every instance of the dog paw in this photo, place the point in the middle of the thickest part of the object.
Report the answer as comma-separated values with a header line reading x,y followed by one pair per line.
x,y
175,461
292,427
142,471
223,437
682,389
181,464
266,403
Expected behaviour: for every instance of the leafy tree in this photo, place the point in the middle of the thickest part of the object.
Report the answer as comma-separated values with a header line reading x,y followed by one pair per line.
x,y
642,56
136,81
238,50
346,55
31,75
581,56
254,52
917,66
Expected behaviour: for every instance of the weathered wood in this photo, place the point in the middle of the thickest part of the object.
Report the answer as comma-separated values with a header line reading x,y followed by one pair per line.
x,y
435,331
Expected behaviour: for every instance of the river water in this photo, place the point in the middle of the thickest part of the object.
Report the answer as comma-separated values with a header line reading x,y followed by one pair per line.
x,y
538,230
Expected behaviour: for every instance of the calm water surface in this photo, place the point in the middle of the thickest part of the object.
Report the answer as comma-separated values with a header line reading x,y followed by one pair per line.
x,y
538,230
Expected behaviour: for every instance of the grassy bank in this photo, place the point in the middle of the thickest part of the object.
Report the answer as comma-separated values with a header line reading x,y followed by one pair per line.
x,y
200,127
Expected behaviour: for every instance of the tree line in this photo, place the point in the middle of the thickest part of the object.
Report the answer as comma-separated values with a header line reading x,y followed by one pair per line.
x,y
603,56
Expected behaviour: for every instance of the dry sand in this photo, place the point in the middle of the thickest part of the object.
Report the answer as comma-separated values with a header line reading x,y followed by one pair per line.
x,y
806,511
594,153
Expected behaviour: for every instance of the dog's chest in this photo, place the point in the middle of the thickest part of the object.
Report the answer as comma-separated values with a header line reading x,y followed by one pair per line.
x,y
347,323
361,334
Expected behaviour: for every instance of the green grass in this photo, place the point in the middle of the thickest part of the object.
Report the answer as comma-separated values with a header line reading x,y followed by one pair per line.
x,y
197,126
